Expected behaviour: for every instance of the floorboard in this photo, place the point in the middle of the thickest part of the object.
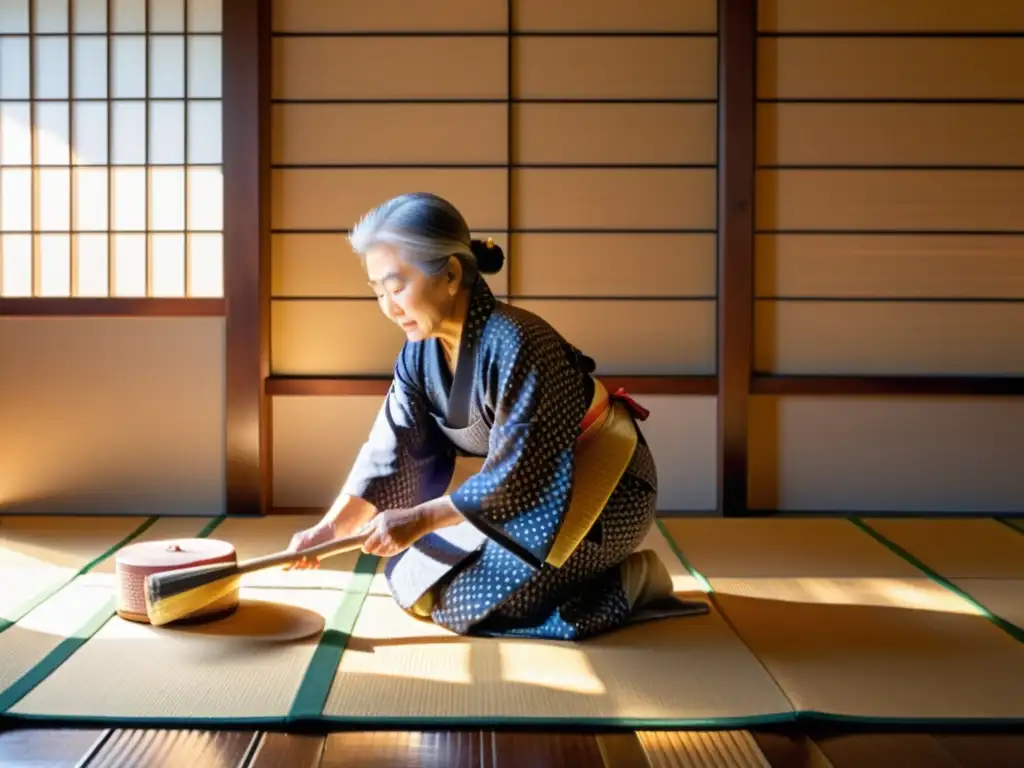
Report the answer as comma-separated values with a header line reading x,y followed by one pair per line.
x,y
914,750
544,750
790,749
286,750
46,748
622,750
990,750
398,749
153,748
787,748
702,749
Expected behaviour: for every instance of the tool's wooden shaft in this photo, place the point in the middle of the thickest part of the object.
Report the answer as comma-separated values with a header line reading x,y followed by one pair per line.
x,y
327,549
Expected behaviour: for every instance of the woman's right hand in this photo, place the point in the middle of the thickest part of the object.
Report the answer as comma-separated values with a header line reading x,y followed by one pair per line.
x,y
320,533
343,520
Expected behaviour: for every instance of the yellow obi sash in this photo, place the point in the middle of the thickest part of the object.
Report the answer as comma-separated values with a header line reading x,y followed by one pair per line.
x,y
604,449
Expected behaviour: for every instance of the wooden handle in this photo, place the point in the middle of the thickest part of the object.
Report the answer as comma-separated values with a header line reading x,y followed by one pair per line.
x,y
327,549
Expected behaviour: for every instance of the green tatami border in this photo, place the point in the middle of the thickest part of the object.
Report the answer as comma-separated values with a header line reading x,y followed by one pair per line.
x,y
34,602
1017,633
1013,523
67,647
311,698
807,715
307,707
708,588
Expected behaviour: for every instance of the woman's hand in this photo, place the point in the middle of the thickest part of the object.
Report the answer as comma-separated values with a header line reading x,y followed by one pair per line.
x,y
320,533
344,519
395,530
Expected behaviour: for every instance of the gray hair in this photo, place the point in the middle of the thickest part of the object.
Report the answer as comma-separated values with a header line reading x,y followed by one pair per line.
x,y
425,229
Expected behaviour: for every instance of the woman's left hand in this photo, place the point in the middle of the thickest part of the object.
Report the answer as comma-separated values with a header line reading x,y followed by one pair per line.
x,y
395,530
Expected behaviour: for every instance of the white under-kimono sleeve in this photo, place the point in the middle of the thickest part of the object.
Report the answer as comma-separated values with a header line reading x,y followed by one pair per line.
x,y
521,494
406,460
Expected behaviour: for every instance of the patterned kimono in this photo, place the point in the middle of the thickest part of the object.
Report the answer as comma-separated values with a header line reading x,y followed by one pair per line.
x,y
516,400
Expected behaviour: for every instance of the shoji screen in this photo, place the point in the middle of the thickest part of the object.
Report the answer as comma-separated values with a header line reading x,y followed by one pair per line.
x,y
614,141
371,99
890,240
110,186
110,148
584,142
361,116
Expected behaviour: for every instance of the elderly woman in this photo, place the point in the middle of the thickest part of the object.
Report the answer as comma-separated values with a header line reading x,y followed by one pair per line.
x,y
542,541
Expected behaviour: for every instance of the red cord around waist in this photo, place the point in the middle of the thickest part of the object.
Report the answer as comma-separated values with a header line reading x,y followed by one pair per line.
x,y
601,405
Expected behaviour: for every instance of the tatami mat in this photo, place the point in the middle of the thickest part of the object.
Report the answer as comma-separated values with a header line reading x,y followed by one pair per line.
x,y
64,615
379,586
688,670
1001,597
958,548
60,542
982,558
811,616
43,629
783,547
38,555
1014,522
246,667
848,628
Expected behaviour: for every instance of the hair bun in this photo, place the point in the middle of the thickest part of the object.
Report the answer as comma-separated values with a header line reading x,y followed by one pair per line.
x,y
489,256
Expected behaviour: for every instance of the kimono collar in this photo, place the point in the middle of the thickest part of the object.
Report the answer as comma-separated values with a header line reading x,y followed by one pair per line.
x,y
481,304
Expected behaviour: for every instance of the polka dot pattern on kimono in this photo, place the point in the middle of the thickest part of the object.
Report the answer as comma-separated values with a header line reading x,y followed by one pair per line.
x,y
585,595
396,468
526,483
535,397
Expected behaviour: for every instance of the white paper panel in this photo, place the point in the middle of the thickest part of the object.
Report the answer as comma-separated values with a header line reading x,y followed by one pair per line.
x,y
403,67
316,439
615,16
141,428
890,16
636,337
899,454
889,338
890,68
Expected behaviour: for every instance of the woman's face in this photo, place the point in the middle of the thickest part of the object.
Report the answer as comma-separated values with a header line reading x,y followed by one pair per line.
x,y
414,301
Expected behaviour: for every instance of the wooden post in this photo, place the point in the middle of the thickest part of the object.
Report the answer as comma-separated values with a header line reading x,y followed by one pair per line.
x,y
246,120
737,61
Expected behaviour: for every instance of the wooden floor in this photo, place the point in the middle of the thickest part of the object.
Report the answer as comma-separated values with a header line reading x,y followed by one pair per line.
x,y
37,747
